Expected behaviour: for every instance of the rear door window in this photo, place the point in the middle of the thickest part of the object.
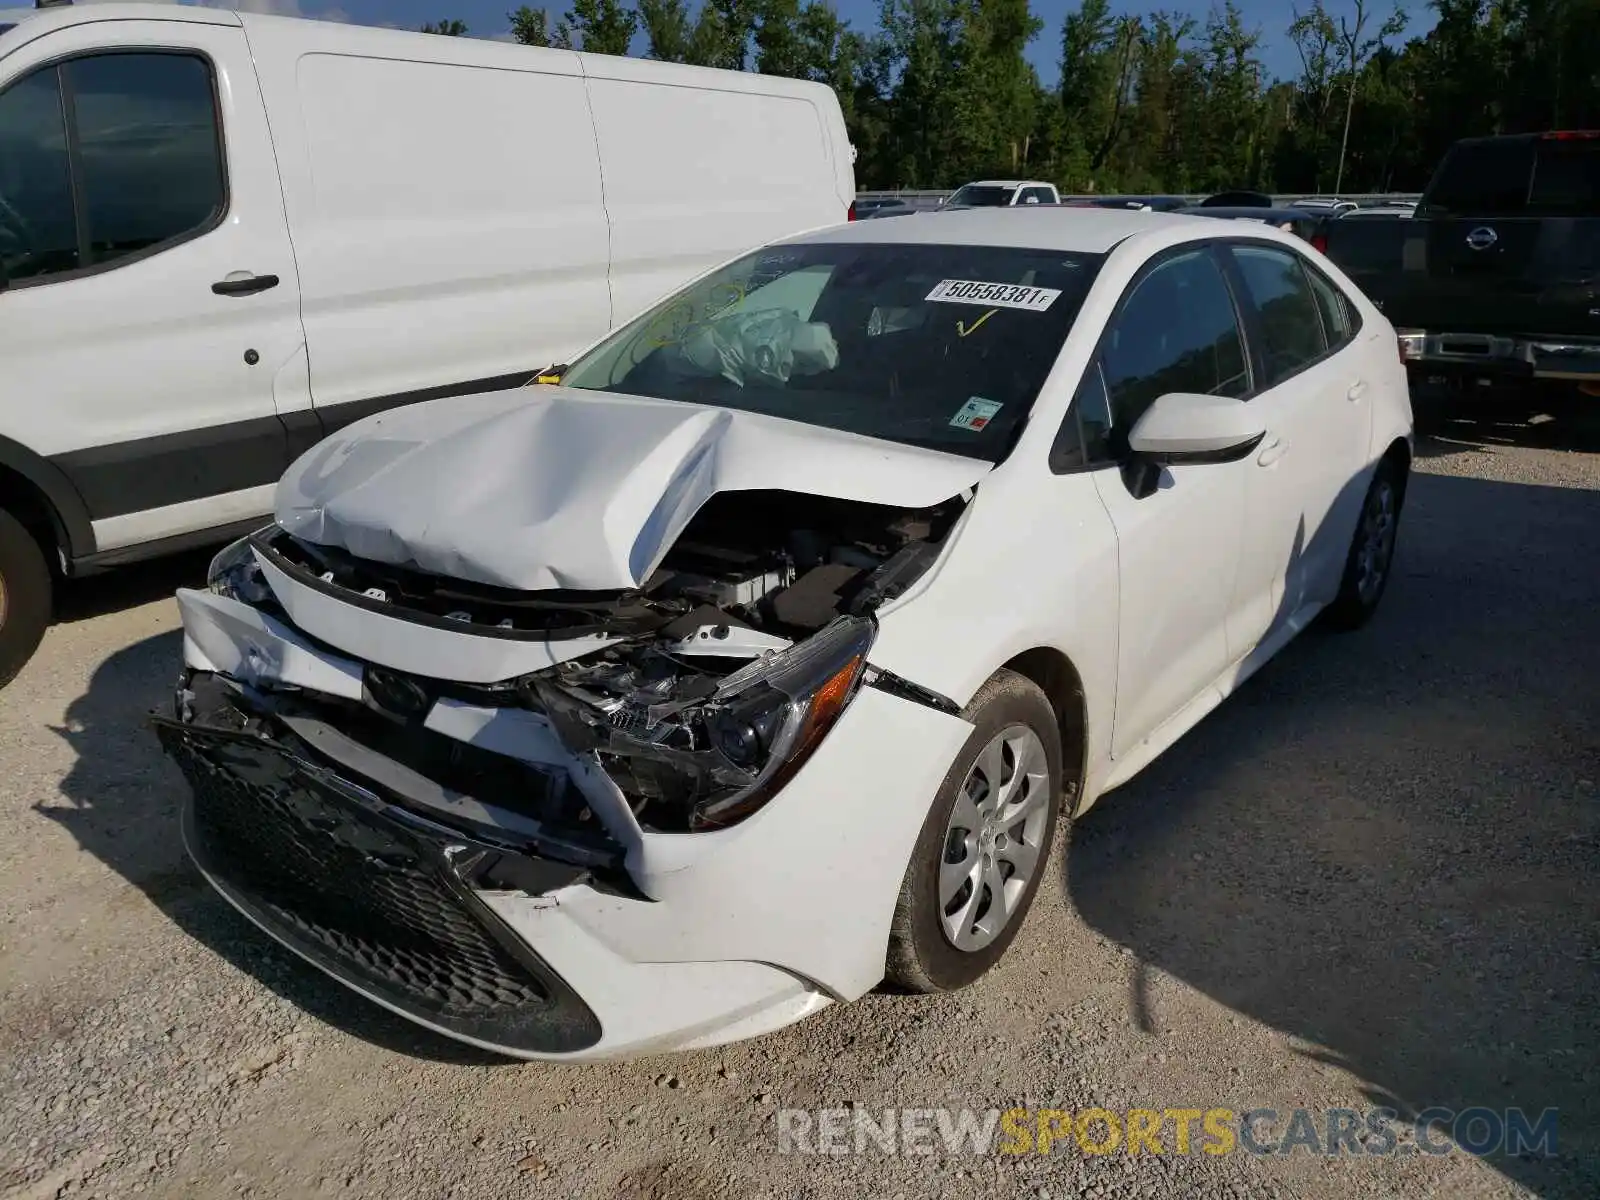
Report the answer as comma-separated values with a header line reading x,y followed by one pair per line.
x,y
1291,323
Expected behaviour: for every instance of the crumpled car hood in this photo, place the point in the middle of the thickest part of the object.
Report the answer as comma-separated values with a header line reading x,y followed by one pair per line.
x,y
553,488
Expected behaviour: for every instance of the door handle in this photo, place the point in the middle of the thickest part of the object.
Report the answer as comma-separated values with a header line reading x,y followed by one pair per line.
x,y
245,285
1272,452
1357,390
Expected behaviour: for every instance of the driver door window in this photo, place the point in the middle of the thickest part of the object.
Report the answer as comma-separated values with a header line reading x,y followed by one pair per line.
x,y
106,157
37,232
1177,331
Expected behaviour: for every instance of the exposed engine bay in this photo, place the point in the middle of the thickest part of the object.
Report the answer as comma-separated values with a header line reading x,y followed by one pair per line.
x,y
708,685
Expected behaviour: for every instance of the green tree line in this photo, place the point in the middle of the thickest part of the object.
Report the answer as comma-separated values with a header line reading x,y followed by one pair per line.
x,y
940,91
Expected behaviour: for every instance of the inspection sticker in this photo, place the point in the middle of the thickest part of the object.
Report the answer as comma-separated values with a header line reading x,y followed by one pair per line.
x,y
993,295
975,413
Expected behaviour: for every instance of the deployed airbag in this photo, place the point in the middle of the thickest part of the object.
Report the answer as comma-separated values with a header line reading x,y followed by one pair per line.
x,y
769,346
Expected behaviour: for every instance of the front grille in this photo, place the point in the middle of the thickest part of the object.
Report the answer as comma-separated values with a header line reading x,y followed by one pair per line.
x,y
362,896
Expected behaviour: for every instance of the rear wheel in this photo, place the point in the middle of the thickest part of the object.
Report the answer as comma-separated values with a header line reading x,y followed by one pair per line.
x,y
1368,565
24,596
985,844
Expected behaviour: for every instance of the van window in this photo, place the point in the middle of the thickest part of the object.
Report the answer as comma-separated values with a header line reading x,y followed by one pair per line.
x,y
37,233
144,142
148,148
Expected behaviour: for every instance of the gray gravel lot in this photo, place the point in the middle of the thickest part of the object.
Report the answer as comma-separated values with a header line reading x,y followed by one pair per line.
x,y
1369,878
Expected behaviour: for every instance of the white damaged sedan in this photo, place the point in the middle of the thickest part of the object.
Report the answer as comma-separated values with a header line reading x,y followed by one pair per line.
x,y
754,657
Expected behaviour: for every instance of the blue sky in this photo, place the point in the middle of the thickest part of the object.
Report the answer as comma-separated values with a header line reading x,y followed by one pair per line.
x,y
485,18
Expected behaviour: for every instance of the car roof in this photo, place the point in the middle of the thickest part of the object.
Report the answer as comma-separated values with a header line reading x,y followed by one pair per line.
x,y
1010,183
1074,230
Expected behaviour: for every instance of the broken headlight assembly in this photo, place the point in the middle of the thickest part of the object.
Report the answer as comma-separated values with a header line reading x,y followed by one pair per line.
x,y
236,574
692,751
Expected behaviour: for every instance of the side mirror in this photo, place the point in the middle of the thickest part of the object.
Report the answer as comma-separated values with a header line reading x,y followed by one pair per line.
x,y
1188,427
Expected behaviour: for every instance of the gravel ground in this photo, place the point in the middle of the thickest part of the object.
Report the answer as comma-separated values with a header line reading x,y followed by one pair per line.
x,y
1369,878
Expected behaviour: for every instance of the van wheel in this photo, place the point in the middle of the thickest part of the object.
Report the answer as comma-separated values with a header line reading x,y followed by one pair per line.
x,y
985,844
24,596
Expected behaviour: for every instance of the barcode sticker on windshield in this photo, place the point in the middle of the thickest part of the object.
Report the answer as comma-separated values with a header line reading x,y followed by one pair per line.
x,y
993,295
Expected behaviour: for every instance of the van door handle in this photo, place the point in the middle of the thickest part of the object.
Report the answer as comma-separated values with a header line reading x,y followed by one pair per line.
x,y
1272,452
244,285
1357,390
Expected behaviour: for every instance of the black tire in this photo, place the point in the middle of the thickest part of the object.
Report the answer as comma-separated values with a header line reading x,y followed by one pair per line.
x,y
921,956
1358,594
24,596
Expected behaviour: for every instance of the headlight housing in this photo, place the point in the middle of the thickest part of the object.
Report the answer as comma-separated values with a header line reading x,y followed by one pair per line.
x,y
236,574
720,758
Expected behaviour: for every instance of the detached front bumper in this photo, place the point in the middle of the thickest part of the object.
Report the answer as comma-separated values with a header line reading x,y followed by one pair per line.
x,y
473,912
374,894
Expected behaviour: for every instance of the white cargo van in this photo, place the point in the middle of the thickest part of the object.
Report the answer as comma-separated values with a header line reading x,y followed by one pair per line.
x,y
225,235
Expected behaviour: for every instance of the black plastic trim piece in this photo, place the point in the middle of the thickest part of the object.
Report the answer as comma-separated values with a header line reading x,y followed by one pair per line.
x,y
69,515
895,685
245,287
171,468
337,416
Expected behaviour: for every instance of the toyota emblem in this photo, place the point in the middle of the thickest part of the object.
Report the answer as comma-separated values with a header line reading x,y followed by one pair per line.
x,y
1482,238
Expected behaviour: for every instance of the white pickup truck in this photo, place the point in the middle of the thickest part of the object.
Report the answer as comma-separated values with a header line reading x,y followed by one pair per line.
x,y
1003,193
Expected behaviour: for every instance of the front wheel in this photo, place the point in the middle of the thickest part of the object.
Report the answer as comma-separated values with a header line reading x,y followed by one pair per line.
x,y
984,845
1371,558
24,596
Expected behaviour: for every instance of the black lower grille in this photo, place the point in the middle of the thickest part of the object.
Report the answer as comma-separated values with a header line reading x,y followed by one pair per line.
x,y
362,895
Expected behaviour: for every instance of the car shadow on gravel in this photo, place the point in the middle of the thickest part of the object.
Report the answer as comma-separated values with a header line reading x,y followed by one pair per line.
x,y
1387,844
126,799
1487,425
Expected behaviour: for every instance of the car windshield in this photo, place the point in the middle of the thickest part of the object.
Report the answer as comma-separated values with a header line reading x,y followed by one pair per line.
x,y
982,195
943,347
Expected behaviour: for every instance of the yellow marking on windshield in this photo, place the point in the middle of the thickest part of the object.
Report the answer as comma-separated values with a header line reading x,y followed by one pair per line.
x,y
964,330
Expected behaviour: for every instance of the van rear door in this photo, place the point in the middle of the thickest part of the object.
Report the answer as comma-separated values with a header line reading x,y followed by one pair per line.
x,y
149,327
